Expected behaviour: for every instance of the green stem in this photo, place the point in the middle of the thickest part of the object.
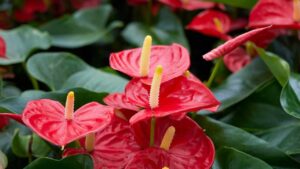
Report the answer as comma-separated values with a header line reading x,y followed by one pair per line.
x,y
149,14
214,73
152,130
34,82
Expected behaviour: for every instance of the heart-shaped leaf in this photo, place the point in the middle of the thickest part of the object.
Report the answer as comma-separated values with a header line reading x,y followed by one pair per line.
x,y
54,68
82,28
166,31
65,71
230,158
248,4
21,41
290,96
72,162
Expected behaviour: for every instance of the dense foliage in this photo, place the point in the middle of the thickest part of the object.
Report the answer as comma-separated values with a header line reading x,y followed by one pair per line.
x,y
154,84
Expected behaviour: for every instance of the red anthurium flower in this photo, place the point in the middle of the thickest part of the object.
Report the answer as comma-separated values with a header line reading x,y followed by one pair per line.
x,y
279,13
237,59
81,4
121,103
212,23
3,122
61,125
142,62
137,2
29,10
175,97
232,44
188,4
111,147
2,48
16,117
177,145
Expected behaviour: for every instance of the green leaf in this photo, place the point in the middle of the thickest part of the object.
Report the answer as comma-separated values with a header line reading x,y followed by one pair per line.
x,y
84,27
251,114
230,158
54,68
17,104
72,162
290,96
20,42
286,137
20,144
248,4
65,71
96,80
3,160
225,135
242,84
166,31
279,67
39,147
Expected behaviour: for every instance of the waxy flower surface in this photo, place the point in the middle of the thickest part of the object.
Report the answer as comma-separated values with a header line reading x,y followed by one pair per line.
x,y
2,48
61,125
279,13
212,23
177,145
111,147
141,62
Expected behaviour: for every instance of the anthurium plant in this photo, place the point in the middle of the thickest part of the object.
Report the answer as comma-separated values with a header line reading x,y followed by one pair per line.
x,y
150,84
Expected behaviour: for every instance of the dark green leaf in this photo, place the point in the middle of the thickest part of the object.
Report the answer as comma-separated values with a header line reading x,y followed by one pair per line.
x,y
230,158
248,4
20,42
17,104
287,138
225,135
279,67
167,30
72,162
290,96
242,84
251,114
54,68
39,147
82,28
96,80
20,144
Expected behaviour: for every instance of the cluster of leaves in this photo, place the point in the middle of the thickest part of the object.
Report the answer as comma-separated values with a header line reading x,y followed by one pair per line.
x,y
257,125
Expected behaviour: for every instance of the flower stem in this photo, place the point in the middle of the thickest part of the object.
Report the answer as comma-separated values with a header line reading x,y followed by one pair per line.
x,y
34,82
152,130
214,73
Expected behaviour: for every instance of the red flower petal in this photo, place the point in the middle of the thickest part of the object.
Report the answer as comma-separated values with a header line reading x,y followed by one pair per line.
x,y
236,59
81,4
46,118
3,121
278,13
2,48
16,117
234,43
190,147
114,146
188,5
29,10
121,102
174,59
238,24
179,95
204,23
